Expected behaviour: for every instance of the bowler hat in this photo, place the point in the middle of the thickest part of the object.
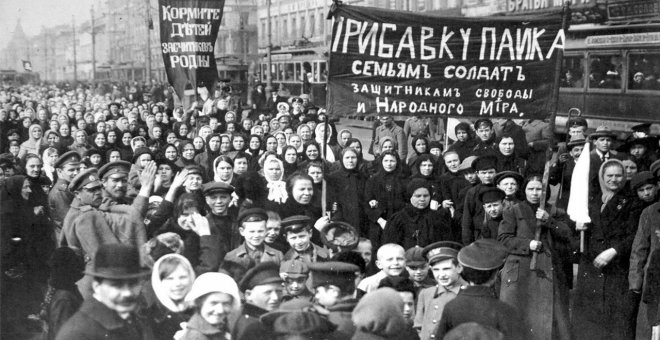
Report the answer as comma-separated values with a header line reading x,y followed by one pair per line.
x,y
339,236
575,142
117,261
644,127
491,194
483,254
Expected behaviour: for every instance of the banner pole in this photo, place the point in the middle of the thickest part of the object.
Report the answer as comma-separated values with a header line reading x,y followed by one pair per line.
x,y
324,187
566,12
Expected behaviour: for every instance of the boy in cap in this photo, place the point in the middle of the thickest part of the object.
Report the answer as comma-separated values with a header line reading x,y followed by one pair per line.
x,y
391,261
485,138
252,227
298,232
274,232
473,211
477,302
67,167
334,286
418,269
221,216
295,274
493,204
262,288
431,301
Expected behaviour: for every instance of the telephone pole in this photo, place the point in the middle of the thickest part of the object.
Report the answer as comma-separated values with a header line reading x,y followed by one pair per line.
x,y
93,46
149,26
75,62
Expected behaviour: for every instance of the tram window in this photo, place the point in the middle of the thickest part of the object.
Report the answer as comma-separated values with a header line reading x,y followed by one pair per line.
x,y
572,72
289,72
605,71
323,71
643,71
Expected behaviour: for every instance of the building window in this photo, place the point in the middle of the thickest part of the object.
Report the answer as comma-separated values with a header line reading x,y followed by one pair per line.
x,y
285,29
312,25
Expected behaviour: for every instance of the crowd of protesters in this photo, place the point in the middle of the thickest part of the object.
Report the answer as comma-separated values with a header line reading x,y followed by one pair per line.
x,y
128,216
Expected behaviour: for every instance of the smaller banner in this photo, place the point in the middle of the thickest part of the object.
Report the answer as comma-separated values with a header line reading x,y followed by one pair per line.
x,y
188,30
385,62
27,65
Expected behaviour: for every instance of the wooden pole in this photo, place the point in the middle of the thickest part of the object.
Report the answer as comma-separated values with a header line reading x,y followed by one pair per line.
x,y
324,187
566,14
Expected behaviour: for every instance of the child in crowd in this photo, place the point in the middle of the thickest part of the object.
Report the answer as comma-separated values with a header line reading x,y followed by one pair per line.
x,y
418,269
391,262
334,286
252,227
298,232
274,237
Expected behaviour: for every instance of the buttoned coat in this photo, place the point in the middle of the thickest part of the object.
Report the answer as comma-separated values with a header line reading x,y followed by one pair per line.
x,y
240,255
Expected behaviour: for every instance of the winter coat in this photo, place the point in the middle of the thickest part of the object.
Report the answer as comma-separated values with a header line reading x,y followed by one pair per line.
x,y
541,296
604,305
418,227
348,187
96,321
64,303
240,255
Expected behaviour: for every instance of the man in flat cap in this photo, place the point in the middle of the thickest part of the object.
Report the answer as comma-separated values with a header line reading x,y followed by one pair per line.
x,y
86,227
485,138
473,210
441,256
334,287
262,288
477,302
297,230
110,313
67,167
253,250
114,177
221,216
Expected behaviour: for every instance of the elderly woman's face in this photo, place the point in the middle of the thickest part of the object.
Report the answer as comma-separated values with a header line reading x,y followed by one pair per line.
x,y
302,191
216,307
36,132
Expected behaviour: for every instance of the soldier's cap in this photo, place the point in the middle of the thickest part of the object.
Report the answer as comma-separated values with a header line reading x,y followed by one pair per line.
x,y
483,121
217,187
142,151
296,316
71,157
87,179
194,169
339,236
644,127
293,269
642,178
295,224
340,274
484,163
261,274
252,215
506,174
491,194
414,257
483,254
655,166
577,121
113,168
440,251
467,164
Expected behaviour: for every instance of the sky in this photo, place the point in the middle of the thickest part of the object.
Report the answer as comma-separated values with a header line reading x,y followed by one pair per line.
x,y
35,14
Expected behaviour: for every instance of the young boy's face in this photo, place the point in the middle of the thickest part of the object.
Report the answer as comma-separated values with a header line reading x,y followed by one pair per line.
x,y
299,241
295,285
470,176
365,250
392,261
272,230
576,151
418,272
408,305
253,233
327,296
446,272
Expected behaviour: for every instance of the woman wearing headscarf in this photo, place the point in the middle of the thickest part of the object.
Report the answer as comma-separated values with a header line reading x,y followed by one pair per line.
x,y
420,146
49,157
186,154
465,142
125,146
348,183
385,194
366,167
267,191
164,304
65,135
541,294
604,306
211,152
34,142
80,144
15,217
254,149
329,151
289,158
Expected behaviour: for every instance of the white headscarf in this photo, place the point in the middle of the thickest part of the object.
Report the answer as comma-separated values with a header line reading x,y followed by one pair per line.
x,y
157,282
276,188
607,193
